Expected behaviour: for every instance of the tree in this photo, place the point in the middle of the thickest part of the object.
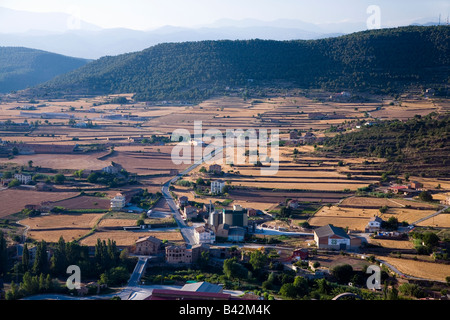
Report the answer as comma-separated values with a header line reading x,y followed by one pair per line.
x,y
234,270
430,239
13,183
58,262
41,264
25,258
425,196
59,178
301,285
391,224
258,260
342,273
3,254
30,163
288,290
383,209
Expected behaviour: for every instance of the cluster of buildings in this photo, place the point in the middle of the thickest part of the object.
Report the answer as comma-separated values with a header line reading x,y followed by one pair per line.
x,y
412,188
22,178
178,254
295,138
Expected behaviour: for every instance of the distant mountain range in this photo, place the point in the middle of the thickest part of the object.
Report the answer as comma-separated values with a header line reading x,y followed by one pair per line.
x,y
22,67
61,33
382,61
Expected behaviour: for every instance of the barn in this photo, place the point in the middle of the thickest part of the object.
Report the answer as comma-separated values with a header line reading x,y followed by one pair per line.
x,y
331,237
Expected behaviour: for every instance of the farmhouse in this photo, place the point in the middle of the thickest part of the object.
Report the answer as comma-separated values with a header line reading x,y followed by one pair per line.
x,y
111,169
397,189
204,234
147,246
300,253
217,186
190,212
215,168
118,202
293,204
331,237
183,200
293,135
415,185
22,178
446,201
178,254
183,255
374,224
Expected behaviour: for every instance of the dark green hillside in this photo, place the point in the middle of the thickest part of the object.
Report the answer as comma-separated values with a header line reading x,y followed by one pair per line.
x,y
22,67
418,146
384,61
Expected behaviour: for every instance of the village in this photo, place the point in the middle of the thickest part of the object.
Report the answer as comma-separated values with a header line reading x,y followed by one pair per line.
x,y
83,185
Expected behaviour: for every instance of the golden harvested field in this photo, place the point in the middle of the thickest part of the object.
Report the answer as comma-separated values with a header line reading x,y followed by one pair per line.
x,y
50,228
442,221
419,269
311,173
181,191
61,161
393,244
354,219
379,202
408,109
128,238
14,200
408,215
117,223
357,218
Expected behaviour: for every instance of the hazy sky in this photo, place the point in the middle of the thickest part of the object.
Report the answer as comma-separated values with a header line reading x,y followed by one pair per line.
x,y
147,14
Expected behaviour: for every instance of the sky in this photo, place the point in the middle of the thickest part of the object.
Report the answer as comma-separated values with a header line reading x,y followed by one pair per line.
x,y
151,14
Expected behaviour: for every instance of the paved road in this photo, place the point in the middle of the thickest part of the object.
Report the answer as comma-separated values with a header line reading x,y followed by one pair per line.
x,y
430,216
186,231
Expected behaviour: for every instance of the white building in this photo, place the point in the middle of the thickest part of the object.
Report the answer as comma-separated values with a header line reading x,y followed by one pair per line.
x,y
118,202
204,235
111,169
446,201
22,178
374,224
217,186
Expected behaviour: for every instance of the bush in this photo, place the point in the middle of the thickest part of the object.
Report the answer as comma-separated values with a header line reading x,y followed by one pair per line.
x,y
413,290
342,273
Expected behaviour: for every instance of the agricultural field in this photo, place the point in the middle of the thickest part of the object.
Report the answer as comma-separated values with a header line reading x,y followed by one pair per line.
x,y
14,200
354,219
128,238
419,269
361,209
51,227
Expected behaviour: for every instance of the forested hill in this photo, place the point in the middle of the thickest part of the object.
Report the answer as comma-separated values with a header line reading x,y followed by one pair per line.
x,y
22,67
385,60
